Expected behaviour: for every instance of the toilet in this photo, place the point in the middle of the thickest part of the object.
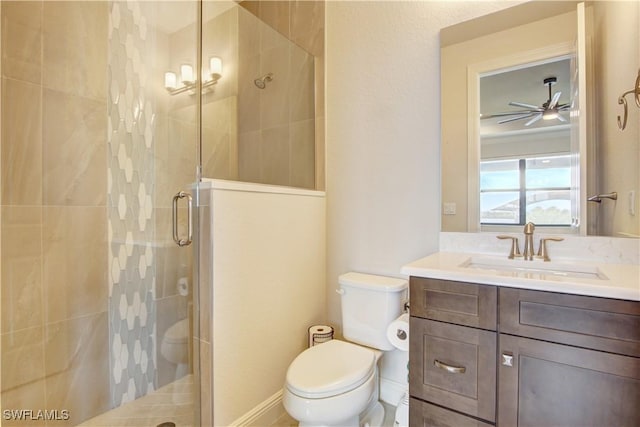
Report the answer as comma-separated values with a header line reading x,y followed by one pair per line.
x,y
175,346
336,383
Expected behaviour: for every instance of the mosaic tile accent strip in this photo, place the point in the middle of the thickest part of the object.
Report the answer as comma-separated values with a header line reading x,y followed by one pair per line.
x,y
130,185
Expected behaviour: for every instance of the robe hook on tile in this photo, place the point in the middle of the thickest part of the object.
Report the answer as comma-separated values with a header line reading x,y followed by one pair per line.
x,y
623,101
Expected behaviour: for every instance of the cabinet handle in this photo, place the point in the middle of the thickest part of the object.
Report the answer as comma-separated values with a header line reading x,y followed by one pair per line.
x,y
449,368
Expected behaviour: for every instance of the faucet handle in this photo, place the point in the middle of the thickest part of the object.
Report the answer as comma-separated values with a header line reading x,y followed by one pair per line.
x,y
515,247
542,249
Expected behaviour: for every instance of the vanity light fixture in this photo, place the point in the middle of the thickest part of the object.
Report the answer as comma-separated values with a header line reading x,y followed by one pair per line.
x,y
188,79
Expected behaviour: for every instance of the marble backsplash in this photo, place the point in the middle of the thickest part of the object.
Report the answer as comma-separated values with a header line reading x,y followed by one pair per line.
x,y
608,250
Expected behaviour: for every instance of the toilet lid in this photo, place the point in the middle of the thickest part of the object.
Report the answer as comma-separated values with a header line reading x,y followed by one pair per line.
x,y
178,332
329,369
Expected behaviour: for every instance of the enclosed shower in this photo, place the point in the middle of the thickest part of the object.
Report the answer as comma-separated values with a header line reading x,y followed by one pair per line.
x,y
113,115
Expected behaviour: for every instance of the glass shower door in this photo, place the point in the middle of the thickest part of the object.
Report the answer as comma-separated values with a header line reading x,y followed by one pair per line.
x,y
97,301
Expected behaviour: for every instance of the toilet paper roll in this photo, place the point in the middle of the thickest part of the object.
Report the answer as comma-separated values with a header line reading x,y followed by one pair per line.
x,y
183,286
319,334
398,332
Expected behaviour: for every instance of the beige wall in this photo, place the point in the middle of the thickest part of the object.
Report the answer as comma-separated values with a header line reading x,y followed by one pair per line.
x,y
618,152
455,61
266,267
54,234
383,138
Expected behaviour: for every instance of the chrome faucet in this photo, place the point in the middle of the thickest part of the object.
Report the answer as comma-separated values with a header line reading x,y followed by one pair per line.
x,y
528,241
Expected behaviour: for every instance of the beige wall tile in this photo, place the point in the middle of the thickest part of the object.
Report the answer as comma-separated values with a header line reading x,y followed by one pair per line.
x,y
22,293
21,143
22,358
74,130
75,47
75,261
175,160
31,395
320,153
303,154
276,13
248,93
307,25
77,366
274,100
301,85
249,162
21,40
275,156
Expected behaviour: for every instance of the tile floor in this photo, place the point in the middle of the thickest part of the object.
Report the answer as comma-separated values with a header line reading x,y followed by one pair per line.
x,y
173,403
389,418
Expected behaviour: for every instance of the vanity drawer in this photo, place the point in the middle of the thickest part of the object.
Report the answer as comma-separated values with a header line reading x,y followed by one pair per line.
x,y
423,414
590,322
461,303
453,366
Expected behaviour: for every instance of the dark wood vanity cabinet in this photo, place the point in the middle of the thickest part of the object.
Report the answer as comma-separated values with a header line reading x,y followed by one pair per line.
x,y
483,355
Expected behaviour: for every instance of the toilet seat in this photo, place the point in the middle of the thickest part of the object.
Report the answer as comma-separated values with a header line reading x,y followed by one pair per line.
x,y
330,369
177,333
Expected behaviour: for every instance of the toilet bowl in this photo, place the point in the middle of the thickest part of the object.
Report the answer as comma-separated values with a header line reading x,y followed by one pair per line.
x,y
175,346
331,384
336,383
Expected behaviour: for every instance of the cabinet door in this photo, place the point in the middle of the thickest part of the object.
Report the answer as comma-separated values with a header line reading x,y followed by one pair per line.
x,y
557,385
453,366
422,414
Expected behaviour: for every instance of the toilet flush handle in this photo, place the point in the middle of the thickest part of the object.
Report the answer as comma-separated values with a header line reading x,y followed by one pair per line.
x,y
340,291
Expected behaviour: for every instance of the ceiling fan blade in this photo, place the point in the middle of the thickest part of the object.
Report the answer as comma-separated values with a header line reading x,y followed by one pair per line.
x,y
554,100
528,106
535,119
562,119
524,116
506,113
563,107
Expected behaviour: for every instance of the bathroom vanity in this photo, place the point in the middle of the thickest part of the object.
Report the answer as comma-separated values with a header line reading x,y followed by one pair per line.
x,y
509,344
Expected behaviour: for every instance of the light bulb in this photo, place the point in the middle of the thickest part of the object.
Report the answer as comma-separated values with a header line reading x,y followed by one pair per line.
x,y
549,115
186,73
170,80
215,67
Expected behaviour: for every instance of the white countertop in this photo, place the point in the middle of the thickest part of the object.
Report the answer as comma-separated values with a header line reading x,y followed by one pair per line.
x,y
620,281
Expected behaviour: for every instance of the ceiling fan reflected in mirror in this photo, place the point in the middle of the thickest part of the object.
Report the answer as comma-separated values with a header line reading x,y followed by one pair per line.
x,y
549,110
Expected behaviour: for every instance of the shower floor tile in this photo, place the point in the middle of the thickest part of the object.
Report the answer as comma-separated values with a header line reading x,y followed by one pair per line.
x,y
171,403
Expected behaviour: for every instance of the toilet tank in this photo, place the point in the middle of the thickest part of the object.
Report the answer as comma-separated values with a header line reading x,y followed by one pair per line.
x,y
369,304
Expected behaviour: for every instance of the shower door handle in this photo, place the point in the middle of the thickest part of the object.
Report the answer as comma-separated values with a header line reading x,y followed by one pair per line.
x,y
176,237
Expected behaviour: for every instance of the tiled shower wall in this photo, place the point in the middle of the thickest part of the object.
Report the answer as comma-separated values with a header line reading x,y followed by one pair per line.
x,y
54,220
87,179
130,205
152,156
280,128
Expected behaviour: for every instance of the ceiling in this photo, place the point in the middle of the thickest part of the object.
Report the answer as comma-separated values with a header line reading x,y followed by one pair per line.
x,y
525,85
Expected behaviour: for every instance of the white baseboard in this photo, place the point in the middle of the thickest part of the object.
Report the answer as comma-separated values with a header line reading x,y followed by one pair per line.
x,y
264,414
391,391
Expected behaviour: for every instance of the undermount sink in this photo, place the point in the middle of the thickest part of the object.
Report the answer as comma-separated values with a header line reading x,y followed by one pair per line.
x,y
535,268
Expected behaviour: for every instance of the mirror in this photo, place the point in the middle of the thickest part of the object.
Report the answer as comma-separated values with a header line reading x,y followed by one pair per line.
x,y
497,89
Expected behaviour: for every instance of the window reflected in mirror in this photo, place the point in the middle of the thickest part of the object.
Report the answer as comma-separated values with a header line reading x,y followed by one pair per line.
x,y
517,191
